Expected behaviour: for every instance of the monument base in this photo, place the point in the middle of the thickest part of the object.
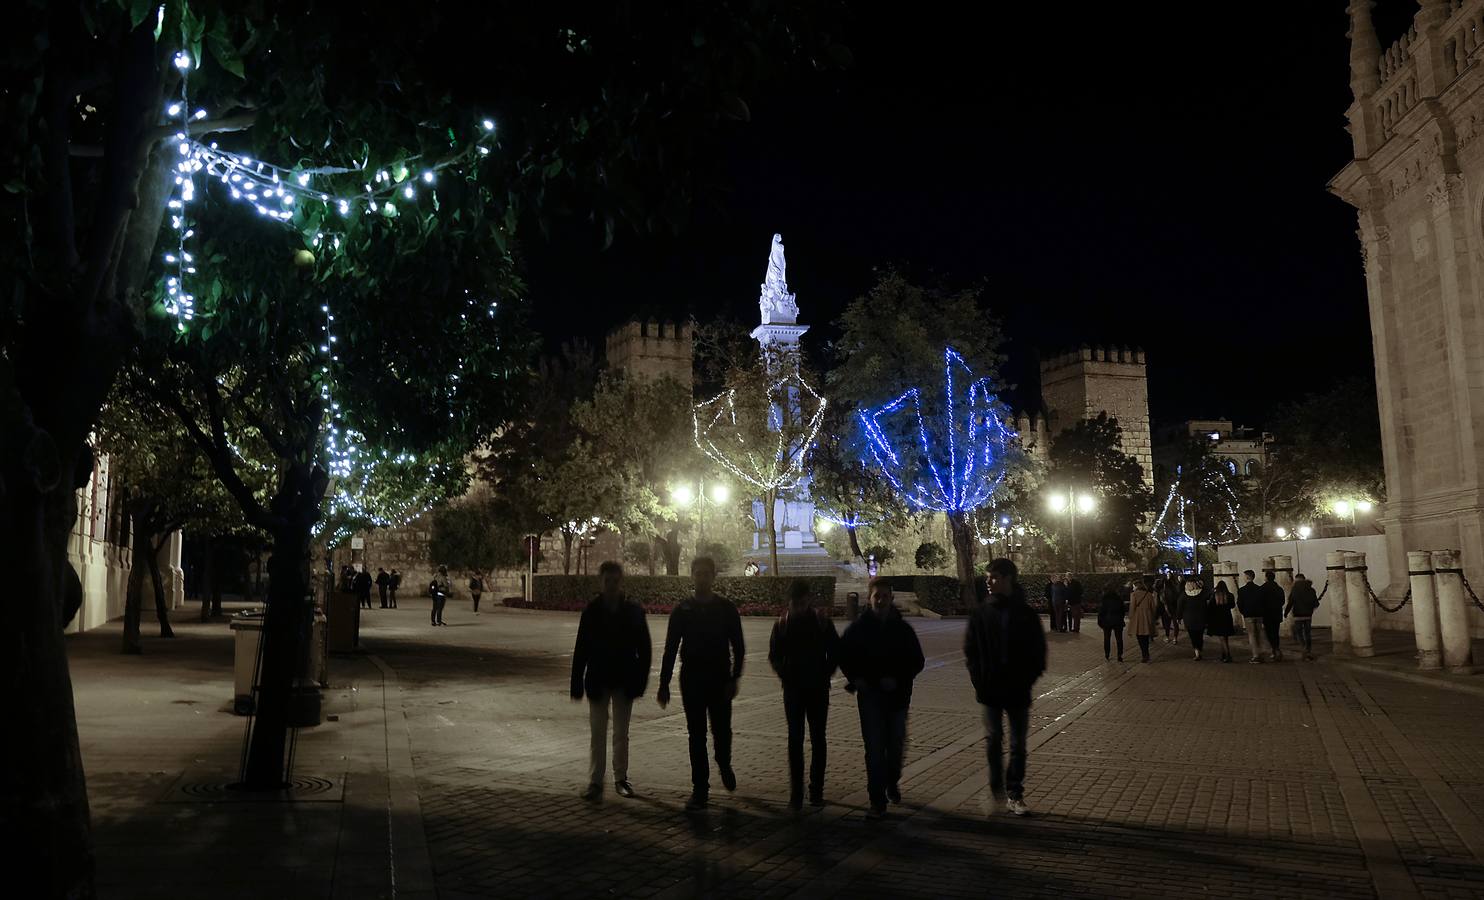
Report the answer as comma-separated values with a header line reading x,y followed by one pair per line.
x,y
808,559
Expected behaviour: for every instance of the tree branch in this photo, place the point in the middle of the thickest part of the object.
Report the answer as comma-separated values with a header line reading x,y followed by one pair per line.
x,y
219,454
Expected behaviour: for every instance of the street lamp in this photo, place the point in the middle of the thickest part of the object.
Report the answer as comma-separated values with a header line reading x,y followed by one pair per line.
x,y
1072,504
1298,534
1346,509
684,495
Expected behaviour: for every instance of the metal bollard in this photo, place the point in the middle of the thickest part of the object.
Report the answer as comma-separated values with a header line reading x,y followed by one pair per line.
x,y
1453,612
1424,609
1359,601
1339,616
852,606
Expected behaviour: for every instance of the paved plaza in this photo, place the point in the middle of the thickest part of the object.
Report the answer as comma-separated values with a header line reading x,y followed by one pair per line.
x,y
453,766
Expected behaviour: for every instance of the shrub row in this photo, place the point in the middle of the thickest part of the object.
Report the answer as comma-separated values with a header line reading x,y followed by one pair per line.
x,y
1093,586
756,596
940,593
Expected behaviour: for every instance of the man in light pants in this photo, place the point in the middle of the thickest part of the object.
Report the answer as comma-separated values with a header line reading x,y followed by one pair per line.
x,y
610,664
1249,604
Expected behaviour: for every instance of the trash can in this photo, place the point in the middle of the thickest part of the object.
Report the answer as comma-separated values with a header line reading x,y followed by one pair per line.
x,y
247,630
344,622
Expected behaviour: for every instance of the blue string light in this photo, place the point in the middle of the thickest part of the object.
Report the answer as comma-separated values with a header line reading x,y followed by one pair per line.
x,y
978,447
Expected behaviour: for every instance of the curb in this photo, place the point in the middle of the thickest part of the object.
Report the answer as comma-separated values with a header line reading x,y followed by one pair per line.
x,y
1441,681
407,841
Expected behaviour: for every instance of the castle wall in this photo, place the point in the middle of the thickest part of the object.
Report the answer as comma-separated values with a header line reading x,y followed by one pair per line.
x,y
652,350
1417,183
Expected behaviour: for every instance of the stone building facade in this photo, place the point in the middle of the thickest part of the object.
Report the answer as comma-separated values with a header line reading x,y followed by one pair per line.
x,y
1080,385
1244,451
652,350
1417,183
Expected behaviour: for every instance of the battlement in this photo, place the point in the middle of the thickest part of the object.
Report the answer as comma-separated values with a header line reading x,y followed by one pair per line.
x,y
652,349
1075,359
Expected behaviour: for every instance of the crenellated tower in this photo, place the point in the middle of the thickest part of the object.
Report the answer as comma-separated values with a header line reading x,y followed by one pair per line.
x,y
1092,380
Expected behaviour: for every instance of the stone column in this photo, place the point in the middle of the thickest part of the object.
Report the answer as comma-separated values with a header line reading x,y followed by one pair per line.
x,y
1453,612
1227,572
1359,601
171,573
1424,609
1339,616
1283,566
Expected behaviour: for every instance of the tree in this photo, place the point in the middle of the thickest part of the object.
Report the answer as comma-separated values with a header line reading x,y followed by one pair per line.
x,y
919,363
1088,458
845,488
1327,447
89,147
469,535
1203,503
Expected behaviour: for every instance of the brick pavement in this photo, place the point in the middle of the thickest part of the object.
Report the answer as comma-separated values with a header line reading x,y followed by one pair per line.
x,y
1178,778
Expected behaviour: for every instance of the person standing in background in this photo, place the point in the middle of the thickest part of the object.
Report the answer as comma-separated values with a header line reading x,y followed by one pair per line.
x,y
1141,614
610,666
1110,619
1302,601
803,651
1272,611
1249,604
396,583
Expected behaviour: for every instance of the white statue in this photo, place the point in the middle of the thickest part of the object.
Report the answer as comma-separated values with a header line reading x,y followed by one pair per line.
x,y
775,302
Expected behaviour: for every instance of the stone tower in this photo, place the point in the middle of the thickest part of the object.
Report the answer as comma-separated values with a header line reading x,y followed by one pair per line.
x,y
652,350
1417,182
1079,385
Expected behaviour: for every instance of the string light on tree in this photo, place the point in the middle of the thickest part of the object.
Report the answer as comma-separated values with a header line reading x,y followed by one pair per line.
x,y
767,468
1172,527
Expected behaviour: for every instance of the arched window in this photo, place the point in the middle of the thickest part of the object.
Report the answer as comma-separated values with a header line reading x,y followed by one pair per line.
x,y
1251,468
1231,465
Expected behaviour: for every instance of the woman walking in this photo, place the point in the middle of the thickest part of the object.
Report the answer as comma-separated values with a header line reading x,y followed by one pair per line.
x,y
1110,619
1219,618
1193,605
1141,614
803,651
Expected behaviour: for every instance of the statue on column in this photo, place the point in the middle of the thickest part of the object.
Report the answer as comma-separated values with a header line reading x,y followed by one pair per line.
x,y
774,301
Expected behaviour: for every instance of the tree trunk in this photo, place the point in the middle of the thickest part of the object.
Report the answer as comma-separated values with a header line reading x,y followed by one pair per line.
x,y
855,546
963,551
43,800
566,552
769,499
208,575
286,626
133,598
162,611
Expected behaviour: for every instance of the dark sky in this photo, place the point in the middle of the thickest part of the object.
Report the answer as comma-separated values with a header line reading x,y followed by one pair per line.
x,y
1130,173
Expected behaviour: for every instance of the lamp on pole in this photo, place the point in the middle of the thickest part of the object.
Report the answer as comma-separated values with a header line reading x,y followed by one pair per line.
x,y
683,495
1300,533
1346,509
1072,503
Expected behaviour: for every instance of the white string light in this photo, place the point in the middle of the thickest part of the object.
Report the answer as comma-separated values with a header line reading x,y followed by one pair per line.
x,y
766,471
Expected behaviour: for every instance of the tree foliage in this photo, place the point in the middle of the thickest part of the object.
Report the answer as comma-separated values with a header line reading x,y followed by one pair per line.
x,y
1088,458
1327,447
470,535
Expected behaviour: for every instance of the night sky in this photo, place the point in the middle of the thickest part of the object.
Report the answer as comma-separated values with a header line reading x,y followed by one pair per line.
x,y
1111,175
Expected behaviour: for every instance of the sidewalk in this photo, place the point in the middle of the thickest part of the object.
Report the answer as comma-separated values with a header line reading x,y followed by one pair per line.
x,y
1330,779
160,743
1396,656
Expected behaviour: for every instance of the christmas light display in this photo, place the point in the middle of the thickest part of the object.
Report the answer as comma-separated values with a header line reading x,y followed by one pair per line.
x,y
1172,526
766,468
955,475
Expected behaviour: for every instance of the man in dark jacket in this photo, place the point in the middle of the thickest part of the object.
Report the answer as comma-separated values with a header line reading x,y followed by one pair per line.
x,y
703,629
803,651
610,664
1005,649
1272,611
383,581
362,587
1056,595
1302,601
396,582
880,655
1074,605
1249,604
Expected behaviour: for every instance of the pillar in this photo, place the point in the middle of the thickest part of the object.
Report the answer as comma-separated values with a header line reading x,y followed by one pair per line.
x,y
1339,615
1453,612
171,572
1358,599
1283,566
1424,609
1227,572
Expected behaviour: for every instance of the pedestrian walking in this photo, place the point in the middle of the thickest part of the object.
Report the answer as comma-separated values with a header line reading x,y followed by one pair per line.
x,y
804,650
383,583
396,582
610,666
1193,608
1219,618
440,590
1174,600
476,589
1110,619
1005,649
1074,605
1249,604
361,584
706,631
1272,612
1141,614
1302,601
880,655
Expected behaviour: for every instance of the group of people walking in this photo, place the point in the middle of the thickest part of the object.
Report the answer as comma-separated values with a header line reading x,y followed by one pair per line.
x,y
879,655
359,582
1172,601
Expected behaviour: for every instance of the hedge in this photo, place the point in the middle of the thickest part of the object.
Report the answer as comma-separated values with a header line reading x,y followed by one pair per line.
x,y
1093,585
940,593
754,596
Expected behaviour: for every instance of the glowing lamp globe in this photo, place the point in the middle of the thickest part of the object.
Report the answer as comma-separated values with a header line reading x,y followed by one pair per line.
x,y
1342,507
1281,532
720,493
1085,503
1304,531
1057,502
682,496
1364,506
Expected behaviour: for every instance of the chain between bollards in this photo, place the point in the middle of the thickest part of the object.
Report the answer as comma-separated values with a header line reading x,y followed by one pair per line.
x,y
1407,598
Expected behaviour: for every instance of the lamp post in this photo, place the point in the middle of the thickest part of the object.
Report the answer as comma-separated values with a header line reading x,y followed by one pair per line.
x,y
1348,508
683,495
1298,534
1072,503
